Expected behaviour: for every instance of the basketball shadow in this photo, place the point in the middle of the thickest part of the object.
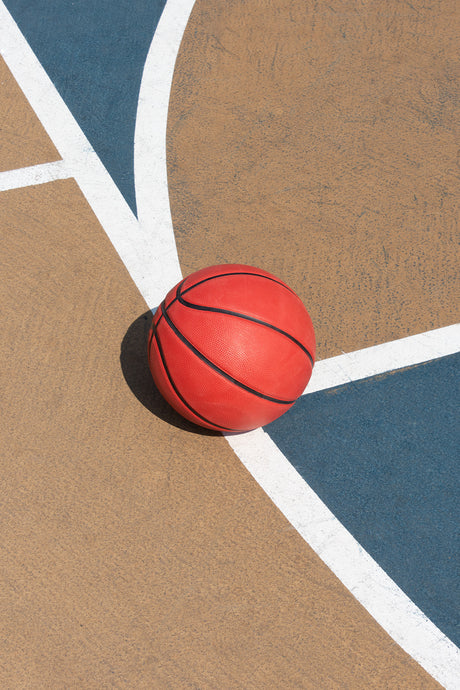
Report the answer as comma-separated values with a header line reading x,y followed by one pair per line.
x,y
135,368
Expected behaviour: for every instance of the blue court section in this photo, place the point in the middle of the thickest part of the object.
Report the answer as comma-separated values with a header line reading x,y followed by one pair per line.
x,y
383,454
94,51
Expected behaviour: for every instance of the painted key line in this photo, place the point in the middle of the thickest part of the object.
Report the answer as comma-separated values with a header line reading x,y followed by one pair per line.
x,y
33,174
147,248
142,255
379,359
358,571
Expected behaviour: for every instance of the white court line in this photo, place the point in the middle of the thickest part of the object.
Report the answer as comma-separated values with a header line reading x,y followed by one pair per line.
x,y
33,174
397,354
392,609
137,246
150,171
368,583
134,246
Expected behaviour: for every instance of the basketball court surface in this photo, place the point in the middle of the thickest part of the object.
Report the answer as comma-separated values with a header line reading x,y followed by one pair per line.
x,y
143,140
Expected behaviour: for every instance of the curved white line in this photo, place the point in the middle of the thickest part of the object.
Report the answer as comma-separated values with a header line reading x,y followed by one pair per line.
x,y
150,173
149,253
371,586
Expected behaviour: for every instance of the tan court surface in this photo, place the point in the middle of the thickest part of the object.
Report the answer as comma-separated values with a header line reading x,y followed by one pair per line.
x,y
320,141
23,139
136,552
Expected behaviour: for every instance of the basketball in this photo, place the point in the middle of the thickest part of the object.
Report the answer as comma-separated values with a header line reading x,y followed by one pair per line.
x,y
231,347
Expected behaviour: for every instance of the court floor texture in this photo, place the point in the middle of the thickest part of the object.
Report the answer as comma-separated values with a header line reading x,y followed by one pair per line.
x,y
143,140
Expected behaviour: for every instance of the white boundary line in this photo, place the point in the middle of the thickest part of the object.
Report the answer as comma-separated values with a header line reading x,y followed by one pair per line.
x,y
150,171
132,244
365,579
397,354
136,245
390,607
33,174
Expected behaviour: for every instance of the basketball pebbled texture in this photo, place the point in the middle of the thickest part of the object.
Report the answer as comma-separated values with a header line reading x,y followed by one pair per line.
x,y
231,347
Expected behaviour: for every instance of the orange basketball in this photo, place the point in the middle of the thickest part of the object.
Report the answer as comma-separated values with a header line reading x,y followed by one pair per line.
x,y
231,347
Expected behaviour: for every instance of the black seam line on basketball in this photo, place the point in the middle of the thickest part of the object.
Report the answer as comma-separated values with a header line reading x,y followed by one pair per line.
x,y
220,371
174,298
238,273
223,275
155,326
163,304
247,318
179,394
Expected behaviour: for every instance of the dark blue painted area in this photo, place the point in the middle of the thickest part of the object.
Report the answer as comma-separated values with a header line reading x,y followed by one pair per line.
x,y
94,51
383,454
